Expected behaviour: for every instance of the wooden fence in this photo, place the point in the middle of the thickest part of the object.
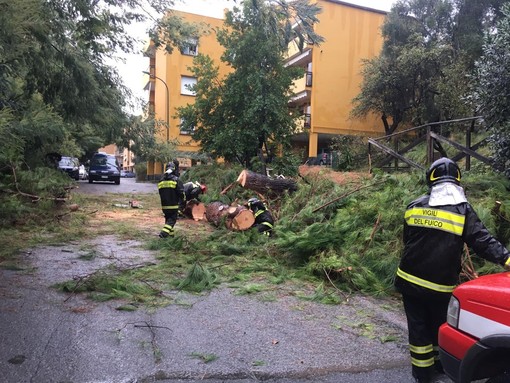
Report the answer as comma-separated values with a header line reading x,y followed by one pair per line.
x,y
430,135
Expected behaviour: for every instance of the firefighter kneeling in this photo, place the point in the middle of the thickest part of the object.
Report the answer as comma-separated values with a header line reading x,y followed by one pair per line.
x,y
263,219
192,191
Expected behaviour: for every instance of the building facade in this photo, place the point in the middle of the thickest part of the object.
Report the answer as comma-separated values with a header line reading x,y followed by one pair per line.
x,y
333,74
168,80
323,96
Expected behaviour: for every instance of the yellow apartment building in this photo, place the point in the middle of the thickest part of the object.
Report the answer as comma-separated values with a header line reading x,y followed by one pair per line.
x,y
332,74
323,96
167,80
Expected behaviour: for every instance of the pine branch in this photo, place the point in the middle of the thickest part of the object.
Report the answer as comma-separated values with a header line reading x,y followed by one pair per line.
x,y
467,265
346,195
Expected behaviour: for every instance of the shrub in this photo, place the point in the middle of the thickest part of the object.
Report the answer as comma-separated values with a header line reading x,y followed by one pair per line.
x,y
350,152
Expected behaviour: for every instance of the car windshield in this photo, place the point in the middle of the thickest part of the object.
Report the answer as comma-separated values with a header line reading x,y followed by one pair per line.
x,y
67,161
103,161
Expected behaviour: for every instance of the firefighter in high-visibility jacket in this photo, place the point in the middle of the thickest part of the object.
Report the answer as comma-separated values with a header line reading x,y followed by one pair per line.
x,y
264,221
436,227
192,190
171,193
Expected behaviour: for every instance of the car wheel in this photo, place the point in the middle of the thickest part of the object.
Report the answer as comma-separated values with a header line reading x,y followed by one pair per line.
x,y
90,180
117,181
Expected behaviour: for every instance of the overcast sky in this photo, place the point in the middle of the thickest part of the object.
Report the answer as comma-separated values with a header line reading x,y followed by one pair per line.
x,y
131,69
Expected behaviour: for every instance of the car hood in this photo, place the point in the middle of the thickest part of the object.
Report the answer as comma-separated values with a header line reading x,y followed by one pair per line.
x,y
488,295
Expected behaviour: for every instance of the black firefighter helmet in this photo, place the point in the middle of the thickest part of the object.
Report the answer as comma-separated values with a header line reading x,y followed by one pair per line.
x,y
251,202
443,170
170,168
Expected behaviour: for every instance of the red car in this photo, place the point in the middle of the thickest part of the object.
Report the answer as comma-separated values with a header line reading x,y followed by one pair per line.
x,y
475,341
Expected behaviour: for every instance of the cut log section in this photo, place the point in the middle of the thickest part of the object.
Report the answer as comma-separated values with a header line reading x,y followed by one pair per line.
x,y
236,218
263,184
242,218
216,212
195,210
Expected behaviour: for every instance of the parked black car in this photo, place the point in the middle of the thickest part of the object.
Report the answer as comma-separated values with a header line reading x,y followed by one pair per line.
x,y
104,167
71,166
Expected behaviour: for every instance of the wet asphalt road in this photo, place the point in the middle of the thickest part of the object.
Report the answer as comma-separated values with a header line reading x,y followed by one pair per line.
x,y
48,336
127,185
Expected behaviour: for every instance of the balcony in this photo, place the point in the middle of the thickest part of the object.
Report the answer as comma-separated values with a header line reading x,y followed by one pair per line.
x,y
299,58
301,98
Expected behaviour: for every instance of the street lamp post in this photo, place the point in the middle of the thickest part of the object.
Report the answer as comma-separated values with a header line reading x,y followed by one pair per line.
x,y
167,104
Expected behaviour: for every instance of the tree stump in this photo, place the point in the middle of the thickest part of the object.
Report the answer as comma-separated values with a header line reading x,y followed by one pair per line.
x,y
195,210
263,184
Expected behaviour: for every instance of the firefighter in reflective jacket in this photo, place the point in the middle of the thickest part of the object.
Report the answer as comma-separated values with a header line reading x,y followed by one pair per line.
x,y
171,193
263,219
192,190
436,226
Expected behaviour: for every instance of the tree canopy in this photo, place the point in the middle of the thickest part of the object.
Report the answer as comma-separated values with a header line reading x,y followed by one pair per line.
x,y
423,72
57,94
239,116
492,92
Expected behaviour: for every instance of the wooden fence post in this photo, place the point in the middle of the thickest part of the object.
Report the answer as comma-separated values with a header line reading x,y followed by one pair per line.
x,y
469,129
369,158
430,147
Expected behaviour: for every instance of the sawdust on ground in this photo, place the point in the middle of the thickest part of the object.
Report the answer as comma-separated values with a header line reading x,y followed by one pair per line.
x,y
338,177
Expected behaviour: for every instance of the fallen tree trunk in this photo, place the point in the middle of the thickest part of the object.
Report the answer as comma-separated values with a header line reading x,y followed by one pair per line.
x,y
236,218
263,184
195,210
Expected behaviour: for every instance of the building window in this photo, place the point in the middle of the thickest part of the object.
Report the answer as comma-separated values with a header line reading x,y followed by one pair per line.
x,y
186,130
190,47
187,84
309,78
